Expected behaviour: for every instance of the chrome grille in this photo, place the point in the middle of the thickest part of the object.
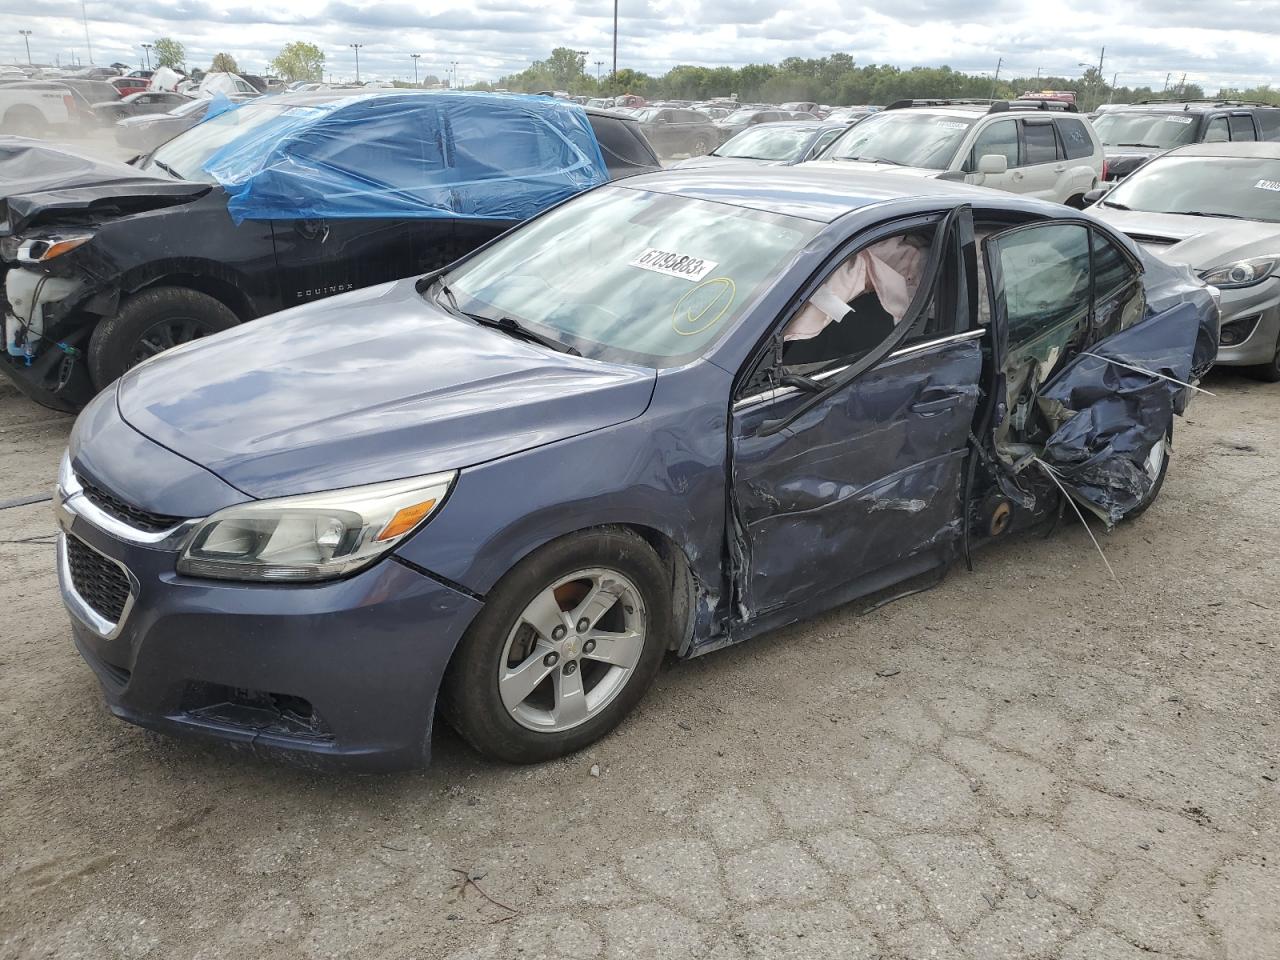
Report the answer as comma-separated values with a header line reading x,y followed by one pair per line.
x,y
126,512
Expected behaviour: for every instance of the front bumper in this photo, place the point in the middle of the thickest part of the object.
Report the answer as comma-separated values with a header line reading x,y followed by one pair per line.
x,y
1250,325
340,674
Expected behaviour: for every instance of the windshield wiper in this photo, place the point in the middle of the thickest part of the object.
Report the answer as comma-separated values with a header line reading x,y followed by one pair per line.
x,y
518,329
507,325
1202,213
167,169
1148,146
1118,206
895,163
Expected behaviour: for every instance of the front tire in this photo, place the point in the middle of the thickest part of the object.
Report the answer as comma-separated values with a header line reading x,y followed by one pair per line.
x,y
1268,372
1158,469
151,322
566,645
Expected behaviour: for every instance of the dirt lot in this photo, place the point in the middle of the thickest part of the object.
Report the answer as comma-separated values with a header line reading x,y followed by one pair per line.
x,y
1028,761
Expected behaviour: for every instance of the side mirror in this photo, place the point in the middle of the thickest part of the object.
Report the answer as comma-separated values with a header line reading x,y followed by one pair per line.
x,y
1093,196
993,163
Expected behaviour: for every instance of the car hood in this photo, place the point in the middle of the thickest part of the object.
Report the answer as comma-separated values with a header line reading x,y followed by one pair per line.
x,y
1202,242
42,183
368,386
860,167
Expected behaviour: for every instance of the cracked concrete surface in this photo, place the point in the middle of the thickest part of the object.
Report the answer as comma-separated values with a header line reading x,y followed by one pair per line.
x,y
1062,768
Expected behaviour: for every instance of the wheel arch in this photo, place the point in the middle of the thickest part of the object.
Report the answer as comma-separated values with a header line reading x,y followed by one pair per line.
x,y
219,288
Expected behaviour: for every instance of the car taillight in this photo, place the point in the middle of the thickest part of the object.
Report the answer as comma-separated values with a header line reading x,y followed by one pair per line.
x,y
1105,169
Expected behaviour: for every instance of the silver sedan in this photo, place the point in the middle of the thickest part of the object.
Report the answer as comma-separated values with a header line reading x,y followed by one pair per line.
x,y
1216,207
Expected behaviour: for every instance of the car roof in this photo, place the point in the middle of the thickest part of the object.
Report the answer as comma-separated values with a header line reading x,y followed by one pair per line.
x,y
809,192
1260,149
1186,106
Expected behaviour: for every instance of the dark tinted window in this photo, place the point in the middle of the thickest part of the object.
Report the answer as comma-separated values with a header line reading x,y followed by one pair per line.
x,y
1217,131
1075,138
625,150
1268,124
1045,270
1042,143
1111,269
999,138
1242,127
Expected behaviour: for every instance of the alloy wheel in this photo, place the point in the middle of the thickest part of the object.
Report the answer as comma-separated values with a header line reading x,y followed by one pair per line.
x,y
165,335
572,650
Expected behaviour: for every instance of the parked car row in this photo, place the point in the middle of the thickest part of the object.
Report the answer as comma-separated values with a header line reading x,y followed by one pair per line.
x,y
828,375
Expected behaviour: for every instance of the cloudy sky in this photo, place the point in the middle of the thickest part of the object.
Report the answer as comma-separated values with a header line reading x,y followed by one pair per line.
x,y
1234,42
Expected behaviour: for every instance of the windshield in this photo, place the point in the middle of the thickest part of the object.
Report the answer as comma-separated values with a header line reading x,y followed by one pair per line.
x,y
740,116
185,155
1246,187
766,143
630,275
1156,130
647,115
910,138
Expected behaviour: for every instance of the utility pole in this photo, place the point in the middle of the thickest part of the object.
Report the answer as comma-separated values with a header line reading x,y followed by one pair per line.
x,y
1167,77
146,48
1038,69
615,39
453,68
89,43
1111,94
996,78
599,64
26,38
356,47
415,57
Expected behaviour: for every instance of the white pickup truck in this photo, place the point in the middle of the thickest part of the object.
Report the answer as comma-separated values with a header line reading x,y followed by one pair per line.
x,y
30,109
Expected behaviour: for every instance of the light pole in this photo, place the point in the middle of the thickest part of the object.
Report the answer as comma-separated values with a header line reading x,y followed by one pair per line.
x,y
615,39
356,47
599,64
146,48
996,79
453,68
84,13
414,57
26,38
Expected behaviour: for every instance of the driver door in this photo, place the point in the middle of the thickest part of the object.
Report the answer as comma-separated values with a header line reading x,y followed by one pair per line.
x,y
844,484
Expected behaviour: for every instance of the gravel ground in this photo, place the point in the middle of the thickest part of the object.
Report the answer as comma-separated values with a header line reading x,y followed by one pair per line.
x,y
1028,761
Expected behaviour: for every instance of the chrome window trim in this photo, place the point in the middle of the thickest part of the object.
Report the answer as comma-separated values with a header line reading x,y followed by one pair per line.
x,y
78,607
779,393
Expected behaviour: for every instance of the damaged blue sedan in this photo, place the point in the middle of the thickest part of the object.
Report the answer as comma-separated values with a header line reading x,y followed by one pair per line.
x,y
665,416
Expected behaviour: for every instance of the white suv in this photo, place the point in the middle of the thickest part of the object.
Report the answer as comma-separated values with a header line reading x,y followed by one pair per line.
x,y
1041,148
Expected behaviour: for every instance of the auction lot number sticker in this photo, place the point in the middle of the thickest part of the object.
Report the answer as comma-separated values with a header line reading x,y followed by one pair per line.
x,y
679,265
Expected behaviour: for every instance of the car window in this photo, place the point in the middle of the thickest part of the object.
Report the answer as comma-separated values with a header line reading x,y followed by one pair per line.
x,y
1268,124
765,142
1111,268
1118,300
1075,138
1041,142
1241,127
669,274
1045,273
861,302
1217,131
999,138
824,141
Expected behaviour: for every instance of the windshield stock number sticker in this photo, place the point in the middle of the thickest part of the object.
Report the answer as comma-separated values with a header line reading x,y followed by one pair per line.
x,y
952,125
679,265
1178,119
1273,185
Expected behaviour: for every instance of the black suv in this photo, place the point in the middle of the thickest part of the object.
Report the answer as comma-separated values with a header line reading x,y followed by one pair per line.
x,y
105,264
1133,133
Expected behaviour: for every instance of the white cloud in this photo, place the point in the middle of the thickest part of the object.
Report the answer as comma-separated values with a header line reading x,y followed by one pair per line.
x,y
1233,42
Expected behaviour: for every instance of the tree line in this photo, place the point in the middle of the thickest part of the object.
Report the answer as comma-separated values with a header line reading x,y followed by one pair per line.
x,y
834,79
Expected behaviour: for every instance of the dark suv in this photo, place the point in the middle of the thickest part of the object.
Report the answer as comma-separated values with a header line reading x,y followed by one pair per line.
x,y
1133,133
276,203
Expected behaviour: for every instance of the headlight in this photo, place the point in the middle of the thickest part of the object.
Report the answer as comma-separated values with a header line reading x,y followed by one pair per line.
x,y
46,248
317,536
1242,273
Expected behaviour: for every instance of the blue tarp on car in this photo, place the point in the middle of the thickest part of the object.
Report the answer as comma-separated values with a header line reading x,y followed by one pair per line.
x,y
412,154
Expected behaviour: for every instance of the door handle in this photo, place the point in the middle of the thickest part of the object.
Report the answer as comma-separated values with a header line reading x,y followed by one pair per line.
x,y
1059,169
1017,174
930,407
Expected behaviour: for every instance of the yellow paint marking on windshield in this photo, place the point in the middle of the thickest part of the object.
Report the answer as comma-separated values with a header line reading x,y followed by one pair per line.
x,y
701,308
